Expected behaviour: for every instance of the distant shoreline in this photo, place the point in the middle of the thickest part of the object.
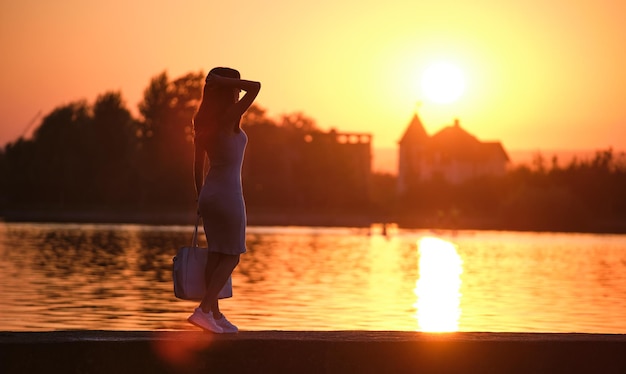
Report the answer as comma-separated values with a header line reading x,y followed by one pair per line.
x,y
166,217
284,219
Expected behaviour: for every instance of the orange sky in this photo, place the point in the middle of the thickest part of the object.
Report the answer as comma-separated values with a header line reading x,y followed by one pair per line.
x,y
539,75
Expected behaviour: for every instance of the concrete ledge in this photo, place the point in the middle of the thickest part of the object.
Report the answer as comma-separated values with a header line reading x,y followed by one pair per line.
x,y
309,352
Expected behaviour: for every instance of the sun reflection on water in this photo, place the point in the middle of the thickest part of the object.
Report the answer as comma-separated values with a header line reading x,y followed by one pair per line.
x,y
438,287
118,277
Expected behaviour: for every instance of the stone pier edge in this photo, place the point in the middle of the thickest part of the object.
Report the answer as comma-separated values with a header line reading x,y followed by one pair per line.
x,y
310,352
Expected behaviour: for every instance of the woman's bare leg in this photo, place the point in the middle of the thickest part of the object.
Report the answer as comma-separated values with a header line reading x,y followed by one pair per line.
x,y
218,270
211,264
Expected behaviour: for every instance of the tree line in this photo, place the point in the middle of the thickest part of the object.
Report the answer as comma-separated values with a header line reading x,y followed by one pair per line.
x,y
92,156
585,195
84,155
99,156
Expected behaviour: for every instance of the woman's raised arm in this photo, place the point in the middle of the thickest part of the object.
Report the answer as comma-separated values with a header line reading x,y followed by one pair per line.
x,y
251,89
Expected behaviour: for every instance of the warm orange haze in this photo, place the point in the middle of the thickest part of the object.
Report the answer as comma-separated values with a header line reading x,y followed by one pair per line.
x,y
535,75
374,191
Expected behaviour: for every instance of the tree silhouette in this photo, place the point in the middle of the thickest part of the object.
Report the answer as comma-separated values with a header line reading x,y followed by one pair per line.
x,y
58,163
165,143
113,150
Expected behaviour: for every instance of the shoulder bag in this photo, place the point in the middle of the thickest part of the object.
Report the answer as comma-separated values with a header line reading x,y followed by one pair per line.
x,y
188,272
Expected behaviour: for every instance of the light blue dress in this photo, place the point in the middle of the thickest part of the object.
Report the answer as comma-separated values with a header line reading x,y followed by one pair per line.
x,y
221,202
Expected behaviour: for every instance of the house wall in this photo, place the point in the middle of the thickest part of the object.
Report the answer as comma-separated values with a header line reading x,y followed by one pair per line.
x,y
416,165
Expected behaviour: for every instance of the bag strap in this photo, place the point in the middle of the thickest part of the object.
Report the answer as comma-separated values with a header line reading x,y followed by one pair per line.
x,y
194,238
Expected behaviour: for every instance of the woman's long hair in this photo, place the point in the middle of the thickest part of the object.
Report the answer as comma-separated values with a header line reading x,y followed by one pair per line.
x,y
215,101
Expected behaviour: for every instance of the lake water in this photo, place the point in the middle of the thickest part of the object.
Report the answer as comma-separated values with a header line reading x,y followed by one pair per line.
x,y
118,277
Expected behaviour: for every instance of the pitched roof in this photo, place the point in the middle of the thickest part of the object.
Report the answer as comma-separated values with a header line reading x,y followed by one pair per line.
x,y
456,143
454,136
494,149
415,132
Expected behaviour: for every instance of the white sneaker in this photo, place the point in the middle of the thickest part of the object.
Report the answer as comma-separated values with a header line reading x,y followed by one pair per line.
x,y
205,321
226,325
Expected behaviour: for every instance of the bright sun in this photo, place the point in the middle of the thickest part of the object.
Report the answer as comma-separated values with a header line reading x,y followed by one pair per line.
x,y
443,83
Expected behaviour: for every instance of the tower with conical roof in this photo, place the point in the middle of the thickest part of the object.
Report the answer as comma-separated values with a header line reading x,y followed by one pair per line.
x,y
410,152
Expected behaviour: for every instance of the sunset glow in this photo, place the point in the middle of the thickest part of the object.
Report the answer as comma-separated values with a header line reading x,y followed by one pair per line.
x,y
536,75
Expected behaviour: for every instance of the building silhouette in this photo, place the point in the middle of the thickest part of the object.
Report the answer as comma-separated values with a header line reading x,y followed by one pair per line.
x,y
308,169
452,154
338,166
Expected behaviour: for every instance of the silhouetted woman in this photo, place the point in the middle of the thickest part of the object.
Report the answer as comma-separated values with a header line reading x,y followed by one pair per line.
x,y
220,199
